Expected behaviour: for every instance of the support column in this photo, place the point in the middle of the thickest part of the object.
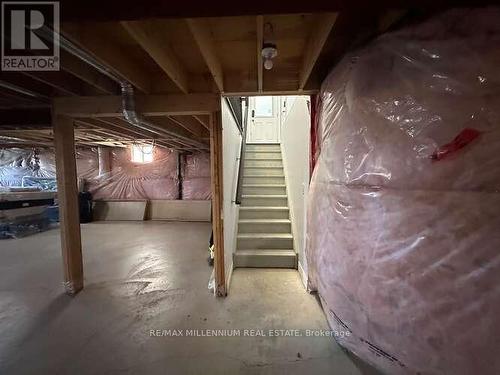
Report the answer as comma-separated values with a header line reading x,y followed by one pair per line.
x,y
67,194
217,201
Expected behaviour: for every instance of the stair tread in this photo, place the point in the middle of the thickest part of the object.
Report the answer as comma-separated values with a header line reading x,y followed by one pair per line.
x,y
272,221
258,208
265,151
263,167
264,185
264,196
265,235
262,159
266,252
263,176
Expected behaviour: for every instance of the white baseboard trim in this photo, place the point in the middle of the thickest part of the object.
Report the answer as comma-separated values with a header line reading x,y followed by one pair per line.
x,y
303,276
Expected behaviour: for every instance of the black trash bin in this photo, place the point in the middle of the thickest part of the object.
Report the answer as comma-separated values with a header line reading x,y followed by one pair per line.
x,y
85,200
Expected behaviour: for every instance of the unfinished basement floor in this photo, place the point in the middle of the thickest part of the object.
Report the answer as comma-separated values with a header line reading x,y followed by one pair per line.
x,y
152,276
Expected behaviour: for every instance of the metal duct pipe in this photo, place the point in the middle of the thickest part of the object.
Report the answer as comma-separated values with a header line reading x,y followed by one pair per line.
x,y
127,91
131,116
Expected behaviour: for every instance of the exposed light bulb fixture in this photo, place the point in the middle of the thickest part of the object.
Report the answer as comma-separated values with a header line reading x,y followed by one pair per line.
x,y
269,52
269,49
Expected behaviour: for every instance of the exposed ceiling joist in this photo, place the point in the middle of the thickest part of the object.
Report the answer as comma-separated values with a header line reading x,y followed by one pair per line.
x,y
206,44
25,117
155,45
86,73
191,125
319,34
186,137
204,120
110,55
116,127
65,83
24,85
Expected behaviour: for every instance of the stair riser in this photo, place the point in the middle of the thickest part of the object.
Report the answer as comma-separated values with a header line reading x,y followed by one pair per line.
x,y
263,155
264,202
264,163
263,214
263,180
264,190
265,243
274,147
264,228
264,261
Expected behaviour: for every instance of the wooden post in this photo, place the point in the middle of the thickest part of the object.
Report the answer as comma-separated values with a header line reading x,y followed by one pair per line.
x,y
67,194
217,201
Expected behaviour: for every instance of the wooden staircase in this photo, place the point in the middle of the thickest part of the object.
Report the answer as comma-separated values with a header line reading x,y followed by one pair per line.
x,y
264,228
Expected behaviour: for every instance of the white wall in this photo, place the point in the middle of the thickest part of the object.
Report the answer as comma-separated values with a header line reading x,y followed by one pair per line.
x,y
295,137
231,143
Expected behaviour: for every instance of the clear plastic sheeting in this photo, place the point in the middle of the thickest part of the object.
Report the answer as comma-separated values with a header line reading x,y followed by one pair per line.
x,y
129,180
403,222
196,177
15,163
37,167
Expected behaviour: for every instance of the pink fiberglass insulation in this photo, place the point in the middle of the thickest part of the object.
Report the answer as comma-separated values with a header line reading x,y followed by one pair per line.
x,y
129,180
196,177
403,223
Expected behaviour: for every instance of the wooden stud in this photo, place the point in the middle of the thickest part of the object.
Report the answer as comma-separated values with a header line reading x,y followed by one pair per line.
x,y
260,43
67,194
216,169
206,44
317,38
159,50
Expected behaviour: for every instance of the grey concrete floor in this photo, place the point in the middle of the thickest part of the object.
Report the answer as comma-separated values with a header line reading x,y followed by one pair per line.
x,y
152,276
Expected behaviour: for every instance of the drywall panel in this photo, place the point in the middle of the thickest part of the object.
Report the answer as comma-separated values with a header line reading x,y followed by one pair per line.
x,y
295,150
119,210
231,143
179,210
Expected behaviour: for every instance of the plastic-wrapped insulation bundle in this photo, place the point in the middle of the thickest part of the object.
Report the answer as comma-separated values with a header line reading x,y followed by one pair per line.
x,y
403,222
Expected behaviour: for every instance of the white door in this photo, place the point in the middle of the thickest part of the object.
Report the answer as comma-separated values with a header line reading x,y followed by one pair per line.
x,y
264,124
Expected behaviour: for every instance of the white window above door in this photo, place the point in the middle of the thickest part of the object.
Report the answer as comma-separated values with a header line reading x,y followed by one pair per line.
x,y
264,106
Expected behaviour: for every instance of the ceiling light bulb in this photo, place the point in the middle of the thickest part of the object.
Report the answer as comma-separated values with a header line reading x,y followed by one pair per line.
x,y
268,64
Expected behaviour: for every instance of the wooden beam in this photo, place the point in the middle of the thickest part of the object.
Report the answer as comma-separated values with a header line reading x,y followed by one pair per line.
x,y
86,73
111,55
147,105
322,26
159,50
206,44
216,171
67,194
260,43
